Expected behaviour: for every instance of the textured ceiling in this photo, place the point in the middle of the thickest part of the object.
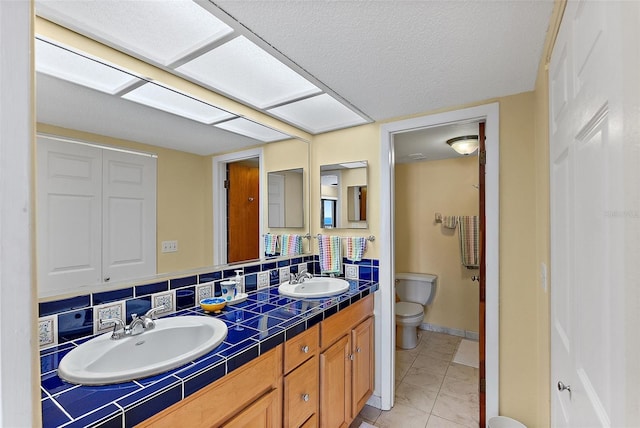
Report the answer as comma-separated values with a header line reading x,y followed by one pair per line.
x,y
396,58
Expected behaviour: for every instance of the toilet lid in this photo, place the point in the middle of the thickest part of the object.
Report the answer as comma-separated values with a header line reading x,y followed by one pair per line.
x,y
408,309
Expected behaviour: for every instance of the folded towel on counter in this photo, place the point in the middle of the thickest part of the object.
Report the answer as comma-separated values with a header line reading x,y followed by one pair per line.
x,y
356,246
270,244
290,245
468,234
450,221
330,250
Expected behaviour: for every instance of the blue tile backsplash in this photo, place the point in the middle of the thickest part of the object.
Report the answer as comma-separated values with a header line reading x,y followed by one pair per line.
x,y
267,320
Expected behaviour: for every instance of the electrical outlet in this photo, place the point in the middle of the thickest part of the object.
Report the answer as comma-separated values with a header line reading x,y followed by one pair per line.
x,y
284,274
263,280
169,246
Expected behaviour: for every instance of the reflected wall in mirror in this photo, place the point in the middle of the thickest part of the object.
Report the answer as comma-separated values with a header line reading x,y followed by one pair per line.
x,y
285,197
69,107
343,193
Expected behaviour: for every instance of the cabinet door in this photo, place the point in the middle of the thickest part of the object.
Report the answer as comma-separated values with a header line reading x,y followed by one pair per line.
x,y
362,378
261,414
335,385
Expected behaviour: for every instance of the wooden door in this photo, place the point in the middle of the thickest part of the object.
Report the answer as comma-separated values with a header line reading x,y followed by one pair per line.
x,y
363,362
335,385
263,413
363,203
243,212
588,243
482,397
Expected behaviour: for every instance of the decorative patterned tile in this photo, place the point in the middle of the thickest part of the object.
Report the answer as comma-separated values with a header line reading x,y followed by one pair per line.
x,y
284,274
263,280
115,310
204,291
302,267
47,331
351,271
167,299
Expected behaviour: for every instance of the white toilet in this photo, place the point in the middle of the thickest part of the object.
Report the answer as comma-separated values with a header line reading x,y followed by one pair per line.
x,y
414,291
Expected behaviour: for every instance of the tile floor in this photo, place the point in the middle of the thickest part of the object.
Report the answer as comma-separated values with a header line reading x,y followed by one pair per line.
x,y
431,390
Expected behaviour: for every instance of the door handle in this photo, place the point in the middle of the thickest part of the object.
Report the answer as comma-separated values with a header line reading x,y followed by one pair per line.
x,y
475,278
563,387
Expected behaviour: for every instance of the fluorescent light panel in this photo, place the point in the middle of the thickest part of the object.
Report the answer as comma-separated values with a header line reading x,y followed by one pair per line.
x,y
159,97
251,129
318,114
244,71
162,31
72,67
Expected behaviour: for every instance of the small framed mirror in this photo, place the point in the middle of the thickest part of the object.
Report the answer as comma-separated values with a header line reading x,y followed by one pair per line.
x,y
343,193
285,198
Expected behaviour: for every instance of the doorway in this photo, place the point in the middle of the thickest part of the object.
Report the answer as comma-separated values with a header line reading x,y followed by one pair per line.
x,y
222,215
385,342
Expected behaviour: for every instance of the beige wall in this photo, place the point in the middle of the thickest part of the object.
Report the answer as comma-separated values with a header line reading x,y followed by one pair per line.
x,y
184,204
424,246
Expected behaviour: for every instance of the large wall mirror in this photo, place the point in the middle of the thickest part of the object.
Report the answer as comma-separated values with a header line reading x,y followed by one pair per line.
x,y
86,101
343,195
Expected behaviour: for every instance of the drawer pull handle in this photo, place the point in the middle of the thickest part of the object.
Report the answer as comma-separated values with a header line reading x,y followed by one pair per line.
x,y
305,397
305,349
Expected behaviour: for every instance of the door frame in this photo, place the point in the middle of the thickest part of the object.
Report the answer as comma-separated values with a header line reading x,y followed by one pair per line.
x,y
219,175
384,302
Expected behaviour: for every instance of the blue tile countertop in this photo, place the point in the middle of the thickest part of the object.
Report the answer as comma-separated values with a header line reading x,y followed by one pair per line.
x,y
257,325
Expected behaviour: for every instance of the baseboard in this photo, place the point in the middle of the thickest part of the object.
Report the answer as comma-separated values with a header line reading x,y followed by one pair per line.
x,y
472,335
375,401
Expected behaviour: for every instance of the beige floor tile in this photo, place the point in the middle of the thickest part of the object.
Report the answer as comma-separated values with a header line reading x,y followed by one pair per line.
x,y
415,396
423,378
435,351
431,364
462,372
405,355
370,413
460,388
402,416
457,409
438,422
401,370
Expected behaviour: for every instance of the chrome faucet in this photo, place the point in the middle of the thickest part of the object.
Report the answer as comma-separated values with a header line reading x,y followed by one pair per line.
x,y
138,324
300,277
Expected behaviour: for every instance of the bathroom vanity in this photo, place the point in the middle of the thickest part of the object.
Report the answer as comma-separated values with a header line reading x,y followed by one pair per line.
x,y
289,362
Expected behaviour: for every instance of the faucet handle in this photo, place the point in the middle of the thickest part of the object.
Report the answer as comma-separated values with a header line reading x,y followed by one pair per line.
x,y
151,313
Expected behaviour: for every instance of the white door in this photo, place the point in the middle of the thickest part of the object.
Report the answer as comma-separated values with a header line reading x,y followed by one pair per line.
x,y
276,196
588,200
69,222
129,207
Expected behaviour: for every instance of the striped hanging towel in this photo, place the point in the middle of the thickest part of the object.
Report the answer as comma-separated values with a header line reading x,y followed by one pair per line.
x,y
270,244
449,221
356,246
330,250
468,235
290,245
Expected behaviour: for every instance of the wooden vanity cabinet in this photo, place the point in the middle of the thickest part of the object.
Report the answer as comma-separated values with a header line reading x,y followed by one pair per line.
x,y
346,363
249,396
301,379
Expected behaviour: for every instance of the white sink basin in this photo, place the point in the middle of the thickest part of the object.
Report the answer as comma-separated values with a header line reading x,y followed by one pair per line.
x,y
314,288
172,343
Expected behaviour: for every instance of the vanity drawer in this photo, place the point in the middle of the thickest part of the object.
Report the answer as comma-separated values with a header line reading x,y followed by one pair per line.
x,y
300,348
301,393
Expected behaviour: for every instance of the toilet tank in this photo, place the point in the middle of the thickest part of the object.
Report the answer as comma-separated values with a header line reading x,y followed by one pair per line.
x,y
416,287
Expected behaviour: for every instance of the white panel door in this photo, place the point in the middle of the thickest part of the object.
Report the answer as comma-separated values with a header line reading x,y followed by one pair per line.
x,y
129,206
587,241
69,217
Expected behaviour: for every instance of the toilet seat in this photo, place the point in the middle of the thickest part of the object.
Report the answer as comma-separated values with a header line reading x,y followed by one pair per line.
x,y
408,309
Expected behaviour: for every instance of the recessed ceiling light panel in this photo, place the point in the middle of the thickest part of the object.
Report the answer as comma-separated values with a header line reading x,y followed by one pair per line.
x,y
162,31
244,71
66,65
318,114
251,129
159,97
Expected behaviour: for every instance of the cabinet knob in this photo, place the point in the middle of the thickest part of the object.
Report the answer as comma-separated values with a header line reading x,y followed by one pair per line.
x,y
305,397
304,349
107,278
358,350
563,387
352,357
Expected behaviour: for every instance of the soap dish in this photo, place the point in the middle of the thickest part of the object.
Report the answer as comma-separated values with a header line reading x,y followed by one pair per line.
x,y
240,297
213,304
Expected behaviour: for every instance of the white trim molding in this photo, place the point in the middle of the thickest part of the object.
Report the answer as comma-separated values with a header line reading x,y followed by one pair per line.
x,y
384,304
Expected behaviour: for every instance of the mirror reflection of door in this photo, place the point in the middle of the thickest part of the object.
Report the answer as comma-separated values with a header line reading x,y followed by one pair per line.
x,y
328,215
243,210
363,203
